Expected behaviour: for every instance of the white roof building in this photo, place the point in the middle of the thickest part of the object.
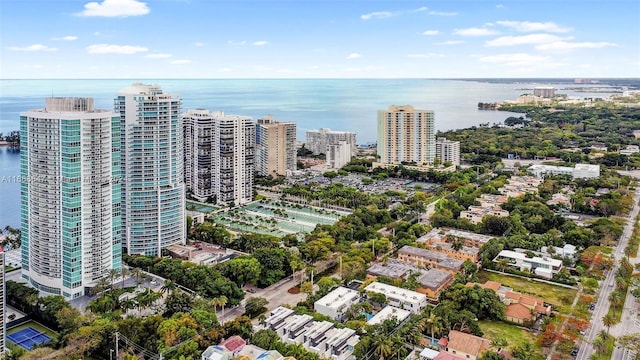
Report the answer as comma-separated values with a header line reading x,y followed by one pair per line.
x,y
540,265
337,302
399,297
580,171
389,312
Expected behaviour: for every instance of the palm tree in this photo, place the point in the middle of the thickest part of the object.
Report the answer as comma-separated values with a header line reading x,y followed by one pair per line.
x,y
124,273
101,286
434,322
616,299
127,304
599,343
168,287
609,320
382,347
137,272
502,264
113,274
222,301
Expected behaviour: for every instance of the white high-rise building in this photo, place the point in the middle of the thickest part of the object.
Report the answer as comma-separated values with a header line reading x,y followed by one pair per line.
x,y
199,153
275,147
448,151
319,140
219,156
70,167
153,192
234,138
338,155
406,135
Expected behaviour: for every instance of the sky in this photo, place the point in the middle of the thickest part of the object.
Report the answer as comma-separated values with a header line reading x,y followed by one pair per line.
x,y
319,39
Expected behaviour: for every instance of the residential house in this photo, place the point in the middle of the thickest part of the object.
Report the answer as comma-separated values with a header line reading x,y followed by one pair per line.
x,y
466,345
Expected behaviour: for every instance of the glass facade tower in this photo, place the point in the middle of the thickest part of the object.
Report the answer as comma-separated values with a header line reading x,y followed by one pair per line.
x,y
152,150
70,195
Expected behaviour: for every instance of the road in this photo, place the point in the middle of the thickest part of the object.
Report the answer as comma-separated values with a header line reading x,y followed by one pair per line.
x,y
277,294
606,288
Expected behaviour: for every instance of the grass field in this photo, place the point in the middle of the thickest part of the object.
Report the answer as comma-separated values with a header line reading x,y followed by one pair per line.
x,y
513,335
559,296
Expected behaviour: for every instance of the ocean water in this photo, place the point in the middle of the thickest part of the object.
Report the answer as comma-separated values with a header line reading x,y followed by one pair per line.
x,y
339,104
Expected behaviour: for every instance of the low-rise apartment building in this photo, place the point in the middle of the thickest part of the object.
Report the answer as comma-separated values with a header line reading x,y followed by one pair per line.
x,y
423,257
320,337
336,303
432,281
542,266
399,297
389,312
476,214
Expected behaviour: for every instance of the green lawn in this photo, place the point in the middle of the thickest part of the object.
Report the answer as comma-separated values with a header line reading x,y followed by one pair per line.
x,y
559,296
513,335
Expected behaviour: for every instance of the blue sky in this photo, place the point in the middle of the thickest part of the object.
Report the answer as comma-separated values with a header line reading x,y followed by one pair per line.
x,y
319,38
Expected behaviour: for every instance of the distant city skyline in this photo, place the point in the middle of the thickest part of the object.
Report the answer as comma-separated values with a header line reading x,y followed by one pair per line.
x,y
319,39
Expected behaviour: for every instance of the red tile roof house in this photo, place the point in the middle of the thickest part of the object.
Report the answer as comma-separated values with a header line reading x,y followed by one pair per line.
x,y
466,345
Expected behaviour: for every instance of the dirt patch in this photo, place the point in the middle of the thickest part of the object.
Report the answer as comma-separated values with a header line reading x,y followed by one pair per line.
x,y
294,290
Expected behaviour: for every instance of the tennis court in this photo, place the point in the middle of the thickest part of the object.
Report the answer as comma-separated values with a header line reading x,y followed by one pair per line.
x,y
28,337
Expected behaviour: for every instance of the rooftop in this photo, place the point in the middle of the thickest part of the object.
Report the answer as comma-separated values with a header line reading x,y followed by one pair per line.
x,y
389,312
442,259
434,278
338,297
404,295
467,343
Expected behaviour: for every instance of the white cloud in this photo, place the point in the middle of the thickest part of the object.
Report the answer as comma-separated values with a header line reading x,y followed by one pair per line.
x,y
180,62
198,44
65,38
443,13
449,42
115,49
523,40
431,32
474,31
499,6
353,56
115,8
376,15
260,43
236,43
388,14
568,46
34,47
529,26
158,56
517,59
425,56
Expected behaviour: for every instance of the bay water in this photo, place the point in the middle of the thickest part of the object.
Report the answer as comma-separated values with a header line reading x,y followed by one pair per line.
x,y
339,104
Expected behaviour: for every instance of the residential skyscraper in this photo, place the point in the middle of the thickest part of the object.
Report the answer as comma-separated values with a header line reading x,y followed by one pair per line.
x,y
406,135
219,156
448,151
338,155
234,138
275,147
153,193
199,153
319,140
70,195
